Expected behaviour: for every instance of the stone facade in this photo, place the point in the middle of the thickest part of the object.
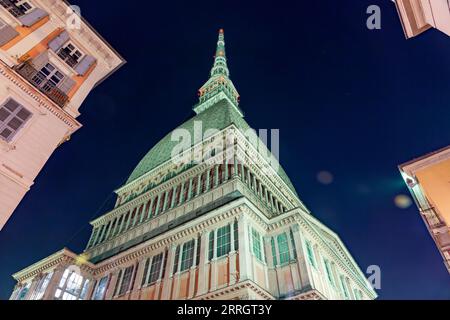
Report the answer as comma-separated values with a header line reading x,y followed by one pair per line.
x,y
50,59
417,16
222,221
428,181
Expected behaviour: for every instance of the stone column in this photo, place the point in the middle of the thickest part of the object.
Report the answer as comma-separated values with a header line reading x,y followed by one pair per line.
x,y
192,271
158,204
208,173
130,213
202,274
189,195
244,252
166,195
181,193
90,290
109,229
174,193
139,274
199,184
304,267
232,258
109,294
149,213
216,175
213,264
226,173
91,238
167,283
50,291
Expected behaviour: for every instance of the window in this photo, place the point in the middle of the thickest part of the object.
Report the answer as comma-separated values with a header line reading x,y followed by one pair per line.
x,y
236,236
156,268
70,286
84,290
223,241
47,78
256,241
274,252
99,292
211,246
187,258
13,117
344,287
310,253
17,8
126,280
23,292
41,287
283,248
197,258
329,272
70,54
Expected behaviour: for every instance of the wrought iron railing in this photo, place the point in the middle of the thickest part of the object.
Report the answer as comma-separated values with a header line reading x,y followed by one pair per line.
x,y
38,80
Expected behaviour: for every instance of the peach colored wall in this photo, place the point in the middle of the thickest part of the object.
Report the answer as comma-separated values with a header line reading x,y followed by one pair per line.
x,y
435,183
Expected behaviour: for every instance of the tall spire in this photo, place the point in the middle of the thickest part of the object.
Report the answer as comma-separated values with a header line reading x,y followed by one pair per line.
x,y
219,86
220,59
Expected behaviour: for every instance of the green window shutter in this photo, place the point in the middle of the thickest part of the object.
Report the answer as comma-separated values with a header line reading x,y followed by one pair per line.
x,y
187,257
344,288
274,252
283,248
256,239
223,241
211,246
310,252
328,270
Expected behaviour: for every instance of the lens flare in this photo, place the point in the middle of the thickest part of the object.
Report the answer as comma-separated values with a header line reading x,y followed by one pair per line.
x,y
403,201
325,177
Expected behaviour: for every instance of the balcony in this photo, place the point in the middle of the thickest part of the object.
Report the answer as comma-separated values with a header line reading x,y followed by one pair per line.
x,y
38,80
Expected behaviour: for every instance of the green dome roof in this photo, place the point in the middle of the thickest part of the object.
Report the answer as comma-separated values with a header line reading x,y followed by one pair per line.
x,y
218,116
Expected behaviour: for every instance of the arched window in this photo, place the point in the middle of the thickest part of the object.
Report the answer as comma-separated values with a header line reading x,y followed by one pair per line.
x,y
72,286
23,292
41,287
99,292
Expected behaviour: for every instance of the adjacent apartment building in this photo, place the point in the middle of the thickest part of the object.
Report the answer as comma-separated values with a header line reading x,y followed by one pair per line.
x,y
50,59
418,16
217,219
428,179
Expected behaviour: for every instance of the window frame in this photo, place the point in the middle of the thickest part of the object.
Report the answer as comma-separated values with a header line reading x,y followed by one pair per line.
x,y
11,116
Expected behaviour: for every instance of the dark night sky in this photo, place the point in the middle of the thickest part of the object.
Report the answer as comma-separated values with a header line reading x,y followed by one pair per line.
x,y
348,100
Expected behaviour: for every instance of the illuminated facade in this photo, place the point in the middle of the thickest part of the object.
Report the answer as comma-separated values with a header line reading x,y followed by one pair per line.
x,y
428,180
417,16
215,220
50,59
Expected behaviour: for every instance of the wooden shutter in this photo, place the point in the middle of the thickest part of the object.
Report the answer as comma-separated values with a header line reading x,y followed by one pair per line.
x,y
85,65
67,85
40,61
32,17
7,33
59,41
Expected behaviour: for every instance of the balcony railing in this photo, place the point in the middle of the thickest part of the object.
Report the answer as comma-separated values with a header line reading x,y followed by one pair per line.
x,y
38,80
